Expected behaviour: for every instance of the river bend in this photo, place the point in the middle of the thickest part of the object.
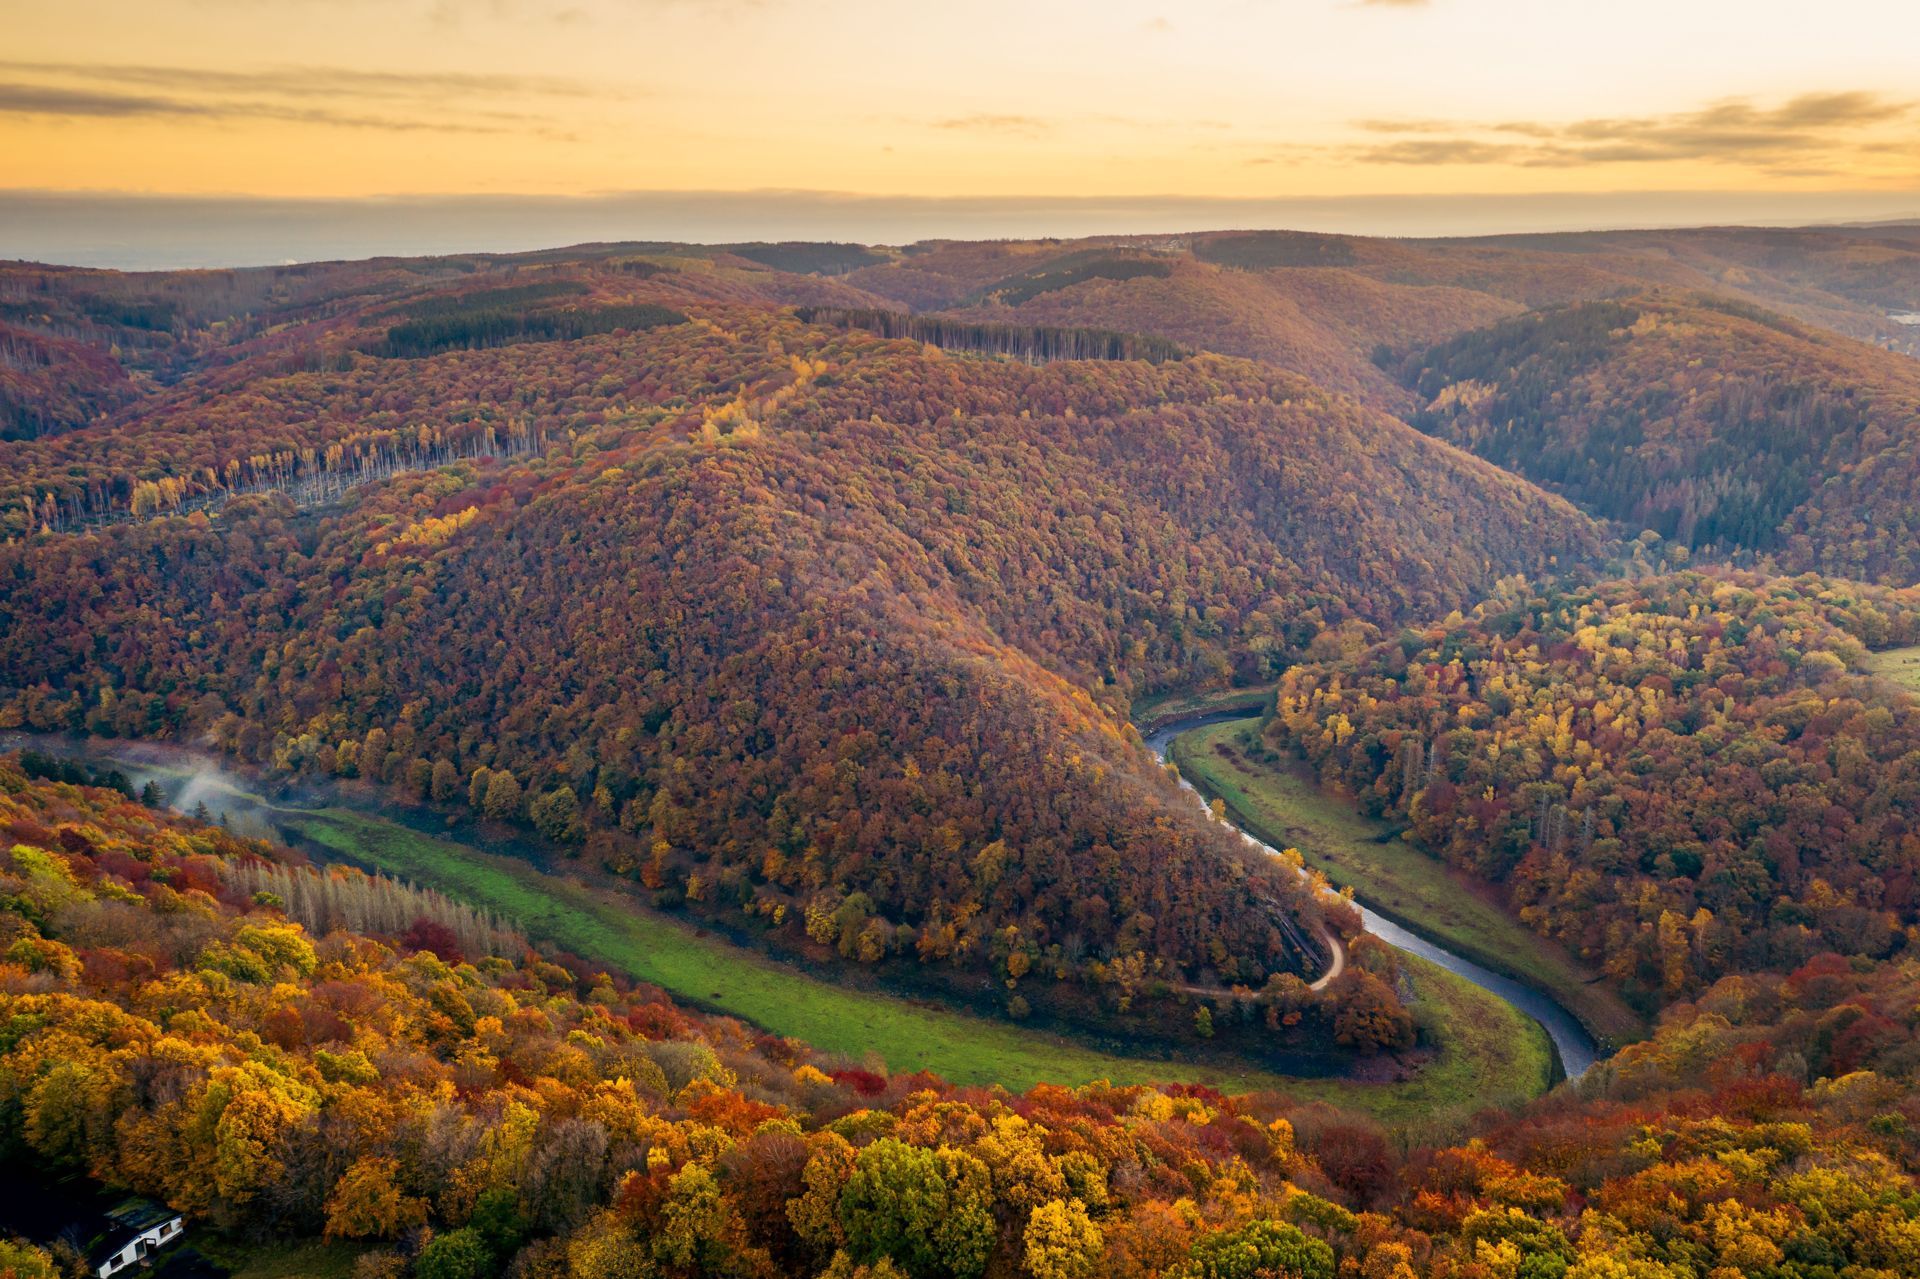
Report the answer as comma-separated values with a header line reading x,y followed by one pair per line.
x,y
1576,1047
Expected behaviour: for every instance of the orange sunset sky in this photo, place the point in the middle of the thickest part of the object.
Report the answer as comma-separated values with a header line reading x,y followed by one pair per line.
x,y
1813,108
1220,97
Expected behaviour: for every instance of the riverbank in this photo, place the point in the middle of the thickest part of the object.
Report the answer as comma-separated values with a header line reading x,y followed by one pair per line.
x,y
1283,807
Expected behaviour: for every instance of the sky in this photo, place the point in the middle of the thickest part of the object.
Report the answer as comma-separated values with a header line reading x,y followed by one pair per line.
x,y
851,111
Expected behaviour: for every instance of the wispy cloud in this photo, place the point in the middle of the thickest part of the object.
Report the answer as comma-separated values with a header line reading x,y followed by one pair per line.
x,y
407,102
1803,135
1033,126
299,81
1409,126
35,99
564,13
988,122
74,104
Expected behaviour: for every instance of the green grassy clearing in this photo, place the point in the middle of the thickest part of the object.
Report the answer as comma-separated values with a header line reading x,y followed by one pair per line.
x,y
1164,707
299,1260
1489,1051
1286,808
1901,665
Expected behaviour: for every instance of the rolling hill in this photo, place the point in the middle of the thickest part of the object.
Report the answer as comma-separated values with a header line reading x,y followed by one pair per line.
x,y
1716,425
790,624
662,561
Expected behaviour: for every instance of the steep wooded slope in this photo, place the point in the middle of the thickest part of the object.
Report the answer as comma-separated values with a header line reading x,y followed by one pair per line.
x,y
787,619
1713,424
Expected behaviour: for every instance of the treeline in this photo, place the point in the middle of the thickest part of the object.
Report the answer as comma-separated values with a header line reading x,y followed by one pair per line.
x,y
441,306
1065,272
451,1118
37,765
342,899
50,384
263,408
1268,250
309,476
806,257
1036,344
1679,777
464,329
1319,323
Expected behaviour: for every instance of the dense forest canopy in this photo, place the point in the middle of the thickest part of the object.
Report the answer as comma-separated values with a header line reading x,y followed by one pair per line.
x,y
180,1019
1681,777
1712,423
807,589
630,641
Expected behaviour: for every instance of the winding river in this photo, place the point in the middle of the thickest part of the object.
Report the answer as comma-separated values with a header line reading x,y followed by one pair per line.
x,y
1576,1047
187,776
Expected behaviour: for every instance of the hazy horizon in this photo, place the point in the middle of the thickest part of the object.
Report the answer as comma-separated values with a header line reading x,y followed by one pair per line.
x,y
159,232
339,128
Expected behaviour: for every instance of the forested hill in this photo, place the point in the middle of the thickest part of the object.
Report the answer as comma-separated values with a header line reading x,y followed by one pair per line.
x,y
80,345
792,623
661,564
1682,777
828,636
1716,425
1325,305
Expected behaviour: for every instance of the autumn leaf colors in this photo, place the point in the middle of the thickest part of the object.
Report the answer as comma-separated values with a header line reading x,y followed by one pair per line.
x,y
804,592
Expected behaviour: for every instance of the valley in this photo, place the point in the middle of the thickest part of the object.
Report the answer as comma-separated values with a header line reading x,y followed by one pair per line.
x,y
1407,898
1025,759
1485,1048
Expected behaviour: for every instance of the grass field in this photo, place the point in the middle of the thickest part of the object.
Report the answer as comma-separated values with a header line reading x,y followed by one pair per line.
x,y
304,1260
1284,807
1901,665
1163,708
1489,1051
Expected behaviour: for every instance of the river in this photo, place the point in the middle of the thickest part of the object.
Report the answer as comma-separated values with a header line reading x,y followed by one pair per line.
x,y
188,777
1576,1047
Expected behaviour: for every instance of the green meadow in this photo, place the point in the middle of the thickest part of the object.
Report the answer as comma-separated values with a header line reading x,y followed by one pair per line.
x,y
1282,806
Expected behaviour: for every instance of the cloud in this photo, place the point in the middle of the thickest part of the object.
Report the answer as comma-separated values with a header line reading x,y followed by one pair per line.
x,y
297,81
1805,134
986,122
1442,151
339,97
73,104
34,99
562,13
1408,126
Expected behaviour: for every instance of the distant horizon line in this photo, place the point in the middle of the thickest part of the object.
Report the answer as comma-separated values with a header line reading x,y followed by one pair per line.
x,y
156,231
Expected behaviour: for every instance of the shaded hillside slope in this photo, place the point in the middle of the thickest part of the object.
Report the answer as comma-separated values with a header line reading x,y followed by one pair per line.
x,y
1716,425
